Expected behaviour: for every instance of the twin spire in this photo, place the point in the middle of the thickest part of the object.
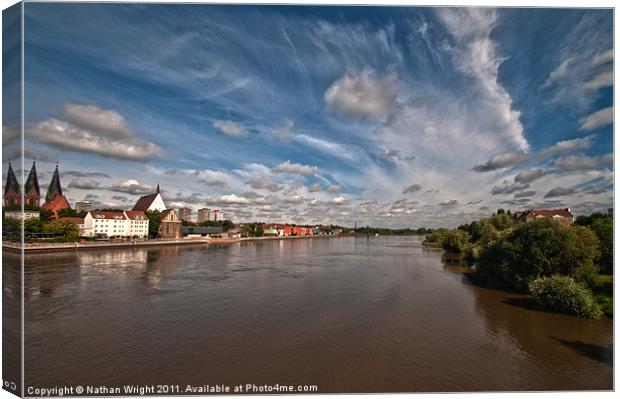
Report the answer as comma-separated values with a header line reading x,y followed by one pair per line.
x,y
32,193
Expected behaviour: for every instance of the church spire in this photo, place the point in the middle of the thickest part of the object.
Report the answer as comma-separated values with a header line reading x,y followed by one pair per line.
x,y
32,193
54,189
157,190
11,190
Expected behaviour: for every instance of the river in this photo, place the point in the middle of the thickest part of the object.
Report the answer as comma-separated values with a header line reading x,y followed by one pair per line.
x,y
345,314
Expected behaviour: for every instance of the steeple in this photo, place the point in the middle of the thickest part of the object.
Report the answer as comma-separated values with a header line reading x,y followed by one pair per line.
x,y
157,191
11,190
32,193
54,188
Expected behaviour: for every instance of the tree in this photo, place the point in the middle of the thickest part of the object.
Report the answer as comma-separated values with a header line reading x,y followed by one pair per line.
x,y
33,226
72,213
62,229
604,230
536,249
455,241
154,221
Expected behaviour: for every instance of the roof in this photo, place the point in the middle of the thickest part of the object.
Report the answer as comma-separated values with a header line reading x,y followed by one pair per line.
x,y
57,203
54,190
73,220
108,215
32,181
145,202
136,215
550,212
201,230
11,182
165,213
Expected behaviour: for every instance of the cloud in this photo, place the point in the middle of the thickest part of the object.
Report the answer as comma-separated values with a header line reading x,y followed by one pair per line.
x,y
230,128
89,128
363,95
528,176
525,194
477,56
325,146
259,182
412,189
501,161
229,199
84,184
559,192
295,168
132,186
394,155
121,198
508,188
449,203
77,173
313,188
600,118
339,200
215,183
568,146
584,162
333,188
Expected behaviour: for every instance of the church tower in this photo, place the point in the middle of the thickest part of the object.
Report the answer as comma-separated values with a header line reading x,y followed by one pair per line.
x,y
11,190
32,194
54,190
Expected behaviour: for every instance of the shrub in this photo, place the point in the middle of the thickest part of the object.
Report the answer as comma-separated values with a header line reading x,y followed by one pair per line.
x,y
563,294
455,241
535,249
435,238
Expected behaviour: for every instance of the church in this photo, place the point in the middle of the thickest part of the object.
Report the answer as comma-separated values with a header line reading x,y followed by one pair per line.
x,y
54,199
170,224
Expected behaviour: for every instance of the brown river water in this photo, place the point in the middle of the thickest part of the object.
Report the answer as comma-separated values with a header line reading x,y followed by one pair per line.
x,y
345,314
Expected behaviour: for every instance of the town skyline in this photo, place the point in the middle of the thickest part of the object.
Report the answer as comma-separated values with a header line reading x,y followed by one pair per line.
x,y
397,117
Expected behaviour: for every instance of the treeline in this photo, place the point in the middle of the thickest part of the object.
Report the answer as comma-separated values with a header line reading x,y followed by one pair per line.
x,y
382,231
566,269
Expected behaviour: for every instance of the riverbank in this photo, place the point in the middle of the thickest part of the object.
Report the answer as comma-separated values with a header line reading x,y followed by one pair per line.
x,y
74,246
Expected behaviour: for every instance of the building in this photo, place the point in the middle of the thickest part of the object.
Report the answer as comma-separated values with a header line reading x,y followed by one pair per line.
x,y
235,233
198,231
32,195
185,214
11,189
22,215
151,202
563,216
79,222
217,215
138,224
83,206
169,225
54,199
286,230
204,215
115,224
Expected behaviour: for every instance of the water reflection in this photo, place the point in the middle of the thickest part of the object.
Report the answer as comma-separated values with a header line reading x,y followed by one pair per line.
x,y
350,314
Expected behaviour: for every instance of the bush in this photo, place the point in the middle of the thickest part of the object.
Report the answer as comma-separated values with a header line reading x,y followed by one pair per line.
x,y
455,241
435,238
563,294
536,249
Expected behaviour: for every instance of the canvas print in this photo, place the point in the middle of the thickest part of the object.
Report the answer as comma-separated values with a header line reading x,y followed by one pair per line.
x,y
294,199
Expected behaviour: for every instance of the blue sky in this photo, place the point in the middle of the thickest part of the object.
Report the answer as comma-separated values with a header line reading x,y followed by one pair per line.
x,y
387,116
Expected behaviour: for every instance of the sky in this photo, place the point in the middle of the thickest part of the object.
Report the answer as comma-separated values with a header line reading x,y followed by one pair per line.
x,y
383,116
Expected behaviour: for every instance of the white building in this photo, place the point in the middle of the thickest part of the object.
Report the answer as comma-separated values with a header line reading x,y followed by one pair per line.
x,y
151,202
116,224
22,216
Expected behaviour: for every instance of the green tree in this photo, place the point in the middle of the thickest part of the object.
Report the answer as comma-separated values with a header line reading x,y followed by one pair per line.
x,y
604,230
455,241
63,229
33,226
564,294
68,212
536,249
154,221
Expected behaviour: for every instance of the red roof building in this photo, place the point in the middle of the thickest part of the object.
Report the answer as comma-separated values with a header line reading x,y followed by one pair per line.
x,y
563,216
59,202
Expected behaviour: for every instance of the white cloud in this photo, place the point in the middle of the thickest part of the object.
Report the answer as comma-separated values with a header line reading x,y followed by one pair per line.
x,y
95,130
584,162
363,95
333,188
559,192
600,118
568,146
260,183
132,186
295,168
471,27
339,200
230,128
84,184
313,188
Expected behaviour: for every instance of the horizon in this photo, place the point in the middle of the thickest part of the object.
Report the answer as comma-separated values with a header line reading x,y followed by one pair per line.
x,y
400,117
